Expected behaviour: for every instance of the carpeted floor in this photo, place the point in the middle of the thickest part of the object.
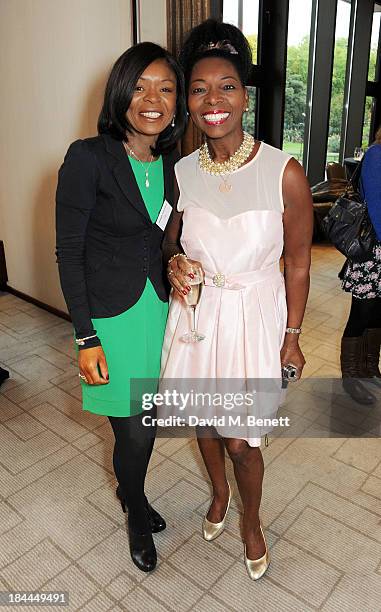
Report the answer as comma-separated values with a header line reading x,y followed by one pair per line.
x,y
61,527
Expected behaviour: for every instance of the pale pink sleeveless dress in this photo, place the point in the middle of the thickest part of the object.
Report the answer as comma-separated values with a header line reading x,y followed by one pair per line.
x,y
238,238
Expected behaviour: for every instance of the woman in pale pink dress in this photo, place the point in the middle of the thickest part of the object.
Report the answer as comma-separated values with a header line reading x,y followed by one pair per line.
x,y
233,222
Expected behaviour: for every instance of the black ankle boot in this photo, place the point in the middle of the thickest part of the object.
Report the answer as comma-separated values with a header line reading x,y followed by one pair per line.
x,y
4,374
142,550
372,342
351,359
157,522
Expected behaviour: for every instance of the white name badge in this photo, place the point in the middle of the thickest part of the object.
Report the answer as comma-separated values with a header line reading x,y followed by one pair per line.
x,y
164,214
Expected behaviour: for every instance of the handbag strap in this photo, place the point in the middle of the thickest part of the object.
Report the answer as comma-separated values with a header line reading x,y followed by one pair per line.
x,y
356,173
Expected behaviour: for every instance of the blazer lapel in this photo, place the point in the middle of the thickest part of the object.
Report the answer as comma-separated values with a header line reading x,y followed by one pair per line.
x,y
124,175
168,178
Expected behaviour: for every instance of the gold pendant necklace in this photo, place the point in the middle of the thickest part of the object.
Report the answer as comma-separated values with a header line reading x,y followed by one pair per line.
x,y
227,167
225,187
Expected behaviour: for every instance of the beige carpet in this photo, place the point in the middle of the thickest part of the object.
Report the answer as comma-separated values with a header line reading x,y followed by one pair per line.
x,y
62,529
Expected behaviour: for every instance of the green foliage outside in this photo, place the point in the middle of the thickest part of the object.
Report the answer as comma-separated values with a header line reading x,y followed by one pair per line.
x,y
296,96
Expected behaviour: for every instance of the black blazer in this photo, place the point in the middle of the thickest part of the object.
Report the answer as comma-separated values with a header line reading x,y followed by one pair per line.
x,y
107,245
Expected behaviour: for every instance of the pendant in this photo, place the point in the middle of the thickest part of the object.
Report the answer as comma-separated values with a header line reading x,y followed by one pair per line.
x,y
147,181
225,187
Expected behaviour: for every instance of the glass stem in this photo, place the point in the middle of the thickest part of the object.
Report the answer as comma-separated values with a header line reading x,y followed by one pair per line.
x,y
193,330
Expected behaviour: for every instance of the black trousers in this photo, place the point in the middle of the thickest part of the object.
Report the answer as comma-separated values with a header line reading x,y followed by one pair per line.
x,y
363,314
132,451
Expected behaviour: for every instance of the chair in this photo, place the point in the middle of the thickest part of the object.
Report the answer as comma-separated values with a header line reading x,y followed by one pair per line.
x,y
335,171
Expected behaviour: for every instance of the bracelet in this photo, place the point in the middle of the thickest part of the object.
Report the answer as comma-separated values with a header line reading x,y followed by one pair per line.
x,y
174,257
293,330
81,341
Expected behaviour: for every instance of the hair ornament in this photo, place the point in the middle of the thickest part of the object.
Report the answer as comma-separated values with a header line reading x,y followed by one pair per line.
x,y
224,45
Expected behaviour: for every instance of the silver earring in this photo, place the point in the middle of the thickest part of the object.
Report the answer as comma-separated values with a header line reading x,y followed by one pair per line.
x,y
173,121
246,109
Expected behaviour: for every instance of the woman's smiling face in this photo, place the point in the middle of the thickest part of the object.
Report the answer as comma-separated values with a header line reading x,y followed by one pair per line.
x,y
216,97
154,101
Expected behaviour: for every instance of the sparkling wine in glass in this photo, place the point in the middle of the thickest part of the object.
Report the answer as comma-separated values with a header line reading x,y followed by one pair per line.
x,y
192,298
358,153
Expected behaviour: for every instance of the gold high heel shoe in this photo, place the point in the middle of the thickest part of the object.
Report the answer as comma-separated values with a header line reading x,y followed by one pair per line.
x,y
257,567
211,531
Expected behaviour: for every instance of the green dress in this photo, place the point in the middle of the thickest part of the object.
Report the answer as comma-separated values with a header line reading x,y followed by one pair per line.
x,y
132,341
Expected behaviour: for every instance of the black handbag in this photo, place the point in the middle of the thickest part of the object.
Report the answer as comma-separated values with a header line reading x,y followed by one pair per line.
x,y
348,226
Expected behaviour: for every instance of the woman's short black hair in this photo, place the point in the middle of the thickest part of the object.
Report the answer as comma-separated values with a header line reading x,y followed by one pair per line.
x,y
230,43
120,89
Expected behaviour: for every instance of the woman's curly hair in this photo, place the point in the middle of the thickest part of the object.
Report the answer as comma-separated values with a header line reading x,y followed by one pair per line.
x,y
233,46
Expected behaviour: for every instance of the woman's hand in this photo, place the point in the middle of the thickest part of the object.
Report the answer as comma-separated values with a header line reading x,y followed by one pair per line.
x,y
180,271
291,353
88,361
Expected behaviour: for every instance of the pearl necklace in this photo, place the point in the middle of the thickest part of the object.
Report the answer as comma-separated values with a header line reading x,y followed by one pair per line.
x,y
146,170
234,162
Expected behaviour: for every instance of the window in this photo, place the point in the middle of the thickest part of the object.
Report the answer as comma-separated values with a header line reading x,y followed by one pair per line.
x,y
343,18
298,45
244,14
315,115
367,125
372,71
248,120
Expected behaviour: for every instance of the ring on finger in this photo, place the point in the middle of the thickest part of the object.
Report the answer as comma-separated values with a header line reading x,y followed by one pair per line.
x,y
82,377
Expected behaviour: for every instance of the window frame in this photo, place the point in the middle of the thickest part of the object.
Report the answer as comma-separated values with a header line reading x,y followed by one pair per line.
x,y
271,69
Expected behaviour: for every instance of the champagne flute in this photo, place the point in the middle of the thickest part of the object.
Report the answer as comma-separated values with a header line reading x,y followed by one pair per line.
x,y
192,298
358,153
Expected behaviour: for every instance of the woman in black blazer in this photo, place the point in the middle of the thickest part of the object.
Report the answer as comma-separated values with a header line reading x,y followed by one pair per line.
x,y
114,196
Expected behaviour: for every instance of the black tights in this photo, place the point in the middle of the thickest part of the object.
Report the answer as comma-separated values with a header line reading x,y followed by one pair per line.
x,y
365,313
132,452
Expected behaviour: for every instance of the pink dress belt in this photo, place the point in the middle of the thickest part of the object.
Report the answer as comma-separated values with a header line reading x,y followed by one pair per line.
x,y
241,280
